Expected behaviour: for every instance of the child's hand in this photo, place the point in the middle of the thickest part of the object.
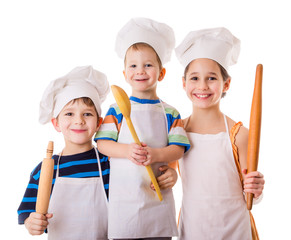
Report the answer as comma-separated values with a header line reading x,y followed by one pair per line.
x,y
253,182
152,156
137,154
168,178
36,223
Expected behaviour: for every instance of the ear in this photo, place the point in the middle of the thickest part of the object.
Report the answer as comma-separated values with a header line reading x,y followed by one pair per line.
x,y
162,74
56,124
184,83
226,85
100,121
125,76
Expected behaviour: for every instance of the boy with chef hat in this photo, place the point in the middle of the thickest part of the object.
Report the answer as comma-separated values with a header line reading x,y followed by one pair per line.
x,y
78,203
214,207
134,210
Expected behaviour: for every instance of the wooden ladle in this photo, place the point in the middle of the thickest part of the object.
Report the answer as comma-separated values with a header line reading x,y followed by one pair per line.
x,y
124,105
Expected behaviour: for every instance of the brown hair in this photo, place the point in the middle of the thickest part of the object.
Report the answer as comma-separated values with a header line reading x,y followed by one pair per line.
x,y
223,72
138,46
87,101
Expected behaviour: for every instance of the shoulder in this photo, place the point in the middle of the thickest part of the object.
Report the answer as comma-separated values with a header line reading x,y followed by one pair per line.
x,y
113,110
170,110
242,136
113,115
185,121
36,170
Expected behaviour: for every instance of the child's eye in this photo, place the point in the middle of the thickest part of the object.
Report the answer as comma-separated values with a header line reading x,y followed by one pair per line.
x,y
133,66
148,65
211,78
194,78
68,114
88,114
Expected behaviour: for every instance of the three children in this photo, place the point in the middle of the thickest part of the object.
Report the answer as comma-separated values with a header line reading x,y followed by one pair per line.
x,y
213,204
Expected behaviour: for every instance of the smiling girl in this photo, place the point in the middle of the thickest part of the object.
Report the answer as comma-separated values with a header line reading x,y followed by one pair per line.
x,y
213,205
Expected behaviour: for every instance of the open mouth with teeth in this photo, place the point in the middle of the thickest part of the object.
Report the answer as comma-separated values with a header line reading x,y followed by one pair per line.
x,y
202,96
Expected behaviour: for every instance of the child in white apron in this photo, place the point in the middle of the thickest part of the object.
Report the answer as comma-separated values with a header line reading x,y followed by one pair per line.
x,y
78,204
135,210
213,204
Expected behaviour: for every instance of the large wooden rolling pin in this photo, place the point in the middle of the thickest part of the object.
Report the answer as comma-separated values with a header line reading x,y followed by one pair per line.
x,y
255,129
124,105
45,181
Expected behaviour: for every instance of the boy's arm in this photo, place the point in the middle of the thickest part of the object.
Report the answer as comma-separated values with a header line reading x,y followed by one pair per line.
x,y
165,154
133,152
107,136
28,202
37,223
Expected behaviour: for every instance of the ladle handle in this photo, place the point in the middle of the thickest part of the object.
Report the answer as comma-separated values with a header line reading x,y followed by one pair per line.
x,y
149,168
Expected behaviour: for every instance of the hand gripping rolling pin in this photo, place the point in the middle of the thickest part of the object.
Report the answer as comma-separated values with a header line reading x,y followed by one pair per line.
x,y
255,129
45,181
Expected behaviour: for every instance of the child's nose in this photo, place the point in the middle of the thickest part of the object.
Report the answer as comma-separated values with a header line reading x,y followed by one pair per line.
x,y
79,120
202,85
140,70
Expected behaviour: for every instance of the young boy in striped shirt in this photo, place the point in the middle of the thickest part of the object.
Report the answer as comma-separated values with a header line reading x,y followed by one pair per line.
x,y
134,209
78,203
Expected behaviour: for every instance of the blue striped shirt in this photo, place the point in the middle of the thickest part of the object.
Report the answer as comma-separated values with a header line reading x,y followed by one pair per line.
x,y
82,165
111,125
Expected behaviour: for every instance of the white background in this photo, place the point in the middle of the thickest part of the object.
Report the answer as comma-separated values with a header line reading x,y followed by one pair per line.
x,y
43,40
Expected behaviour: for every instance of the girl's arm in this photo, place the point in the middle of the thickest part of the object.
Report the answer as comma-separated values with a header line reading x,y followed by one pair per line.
x,y
168,178
254,181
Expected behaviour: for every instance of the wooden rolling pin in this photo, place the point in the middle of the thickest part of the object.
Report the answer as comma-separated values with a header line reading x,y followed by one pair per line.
x,y
45,181
255,129
124,105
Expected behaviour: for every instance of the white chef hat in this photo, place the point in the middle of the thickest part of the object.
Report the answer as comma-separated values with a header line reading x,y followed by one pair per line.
x,y
217,44
143,30
80,82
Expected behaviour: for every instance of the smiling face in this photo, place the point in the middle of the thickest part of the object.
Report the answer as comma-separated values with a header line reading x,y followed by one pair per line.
x,y
78,122
143,71
204,84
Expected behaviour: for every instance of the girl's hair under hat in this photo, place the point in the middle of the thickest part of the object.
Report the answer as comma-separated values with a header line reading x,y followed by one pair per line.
x,y
143,30
218,44
80,82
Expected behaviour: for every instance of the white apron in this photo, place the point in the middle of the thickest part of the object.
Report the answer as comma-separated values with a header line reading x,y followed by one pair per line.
x,y
79,207
134,209
213,206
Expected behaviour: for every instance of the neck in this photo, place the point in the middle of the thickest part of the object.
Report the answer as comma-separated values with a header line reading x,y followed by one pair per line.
x,y
145,95
206,121
71,149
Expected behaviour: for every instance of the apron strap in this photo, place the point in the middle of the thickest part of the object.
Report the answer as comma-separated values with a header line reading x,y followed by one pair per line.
x,y
100,174
58,163
165,115
225,123
233,132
